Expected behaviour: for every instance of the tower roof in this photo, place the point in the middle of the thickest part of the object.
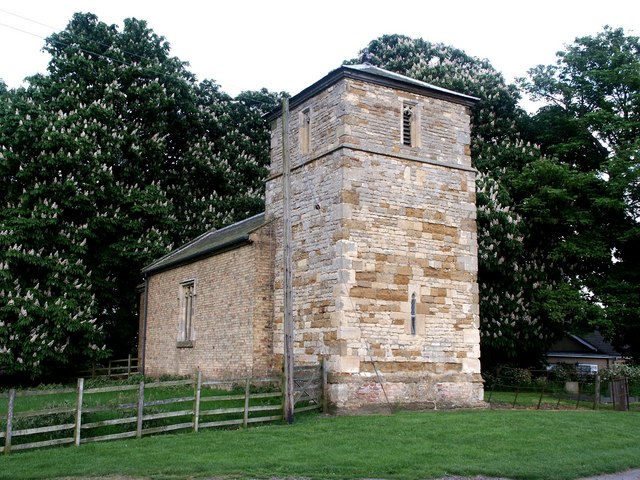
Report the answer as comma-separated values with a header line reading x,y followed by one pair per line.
x,y
380,76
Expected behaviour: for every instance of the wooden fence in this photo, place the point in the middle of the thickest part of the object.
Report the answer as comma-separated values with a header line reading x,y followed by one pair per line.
x,y
117,369
82,415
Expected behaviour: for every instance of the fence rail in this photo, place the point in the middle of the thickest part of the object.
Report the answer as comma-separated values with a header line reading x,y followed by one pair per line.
x,y
117,368
132,411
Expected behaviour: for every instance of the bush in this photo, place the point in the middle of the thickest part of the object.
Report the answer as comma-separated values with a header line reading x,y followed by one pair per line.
x,y
513,376
632,372
567,372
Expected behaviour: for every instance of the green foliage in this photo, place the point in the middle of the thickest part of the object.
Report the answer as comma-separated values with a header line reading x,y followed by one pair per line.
x,y
591,123
567,372
106,162
632,372
514,376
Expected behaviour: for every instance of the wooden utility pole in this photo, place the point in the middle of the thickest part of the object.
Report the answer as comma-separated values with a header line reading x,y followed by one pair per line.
x,y
288,275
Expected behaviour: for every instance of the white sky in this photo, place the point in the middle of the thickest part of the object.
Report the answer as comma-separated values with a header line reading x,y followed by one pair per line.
x,y
286,45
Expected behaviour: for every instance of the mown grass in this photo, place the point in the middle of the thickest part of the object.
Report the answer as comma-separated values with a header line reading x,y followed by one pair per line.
x,y
519,444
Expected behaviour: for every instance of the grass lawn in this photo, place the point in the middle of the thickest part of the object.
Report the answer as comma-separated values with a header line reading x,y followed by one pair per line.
x,y
518,444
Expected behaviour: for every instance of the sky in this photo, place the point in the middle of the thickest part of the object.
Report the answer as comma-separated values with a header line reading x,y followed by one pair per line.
x,y
285,45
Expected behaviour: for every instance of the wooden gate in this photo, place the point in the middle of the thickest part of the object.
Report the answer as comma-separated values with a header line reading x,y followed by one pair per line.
x,y
309,384
620,393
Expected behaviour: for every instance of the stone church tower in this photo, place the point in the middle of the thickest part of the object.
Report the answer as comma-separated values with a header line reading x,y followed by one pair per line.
x,y
384,239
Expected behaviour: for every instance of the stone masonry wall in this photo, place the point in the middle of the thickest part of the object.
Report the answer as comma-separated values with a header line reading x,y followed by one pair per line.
x,y
232,315
316,188
408,231
375,221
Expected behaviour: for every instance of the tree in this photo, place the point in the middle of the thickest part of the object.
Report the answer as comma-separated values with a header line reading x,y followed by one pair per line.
x,y
106,162
593,94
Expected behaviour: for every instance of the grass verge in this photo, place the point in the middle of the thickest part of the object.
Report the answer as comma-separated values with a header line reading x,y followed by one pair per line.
x,y
514,444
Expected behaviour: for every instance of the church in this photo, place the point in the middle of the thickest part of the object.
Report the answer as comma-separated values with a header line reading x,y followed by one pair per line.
x,y
384,255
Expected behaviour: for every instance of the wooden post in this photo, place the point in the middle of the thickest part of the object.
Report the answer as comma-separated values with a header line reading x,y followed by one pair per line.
x,y
196,404
109,370
247,394
542,393
140,409
596,393
7,437
129,366
515,399
288,274
80,394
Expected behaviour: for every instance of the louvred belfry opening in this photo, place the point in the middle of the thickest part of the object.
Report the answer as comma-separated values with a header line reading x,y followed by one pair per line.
x,y
407,121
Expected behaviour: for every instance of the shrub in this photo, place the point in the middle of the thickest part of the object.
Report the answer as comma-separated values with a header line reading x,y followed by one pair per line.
x,y
567,372
632,372
513,376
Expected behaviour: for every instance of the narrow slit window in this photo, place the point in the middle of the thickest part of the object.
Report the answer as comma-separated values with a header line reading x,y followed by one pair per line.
x,y
410,128
413,314
305,125
407,121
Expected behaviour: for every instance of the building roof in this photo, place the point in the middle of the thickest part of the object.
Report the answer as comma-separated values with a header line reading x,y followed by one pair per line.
x,y
209,243
590,345
599,343
379,76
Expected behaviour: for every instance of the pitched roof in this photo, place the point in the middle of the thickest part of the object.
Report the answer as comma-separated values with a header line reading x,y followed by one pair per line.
x,y
379,76
598,341
592,344
209,243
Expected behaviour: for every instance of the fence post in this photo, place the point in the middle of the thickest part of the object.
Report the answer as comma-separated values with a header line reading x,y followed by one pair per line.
x,y
324,373
140,409
596,393
7,438
196,405
579,390
80,394
515,399
247,392
129,366
109,370
546,379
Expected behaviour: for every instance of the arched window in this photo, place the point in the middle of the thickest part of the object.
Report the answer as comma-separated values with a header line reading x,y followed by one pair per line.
x,y
413,313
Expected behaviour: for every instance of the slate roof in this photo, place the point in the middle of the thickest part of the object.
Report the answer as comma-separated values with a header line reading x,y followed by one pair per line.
x,y
380,76
590,345
209,243
599,343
